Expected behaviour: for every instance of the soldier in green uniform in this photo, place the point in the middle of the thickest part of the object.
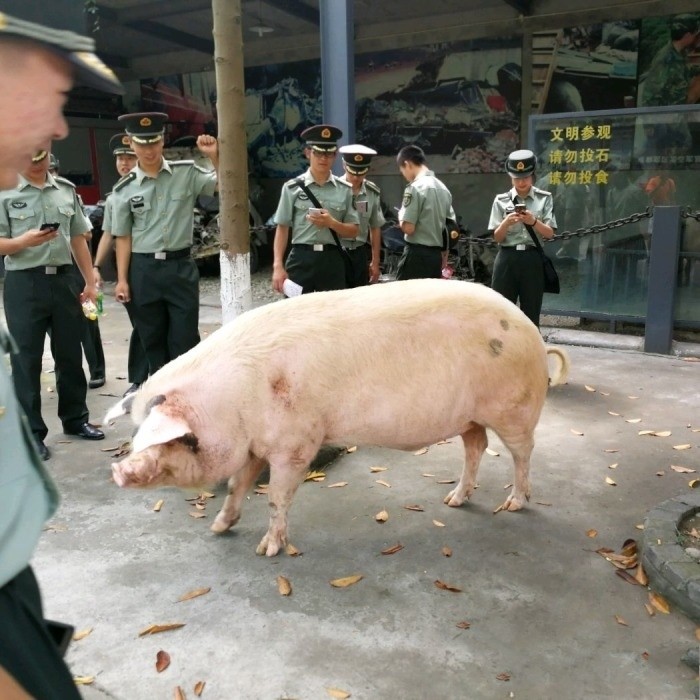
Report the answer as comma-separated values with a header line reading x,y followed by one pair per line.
x,y
356,161
37,63
426,206
152,221
517,271
42,295
314,261
125,161
669,77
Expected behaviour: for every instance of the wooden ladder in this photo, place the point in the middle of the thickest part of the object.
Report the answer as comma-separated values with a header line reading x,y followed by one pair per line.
x,y
544,62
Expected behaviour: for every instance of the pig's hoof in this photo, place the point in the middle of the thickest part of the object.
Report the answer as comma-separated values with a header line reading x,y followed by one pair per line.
x,y
268,546
455,499
512,504
222,524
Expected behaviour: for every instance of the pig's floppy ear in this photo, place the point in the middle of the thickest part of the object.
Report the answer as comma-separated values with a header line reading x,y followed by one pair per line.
x,y
157,429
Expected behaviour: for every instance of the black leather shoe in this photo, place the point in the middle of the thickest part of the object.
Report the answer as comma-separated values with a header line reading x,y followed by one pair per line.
x,y
131,390
87,432
43,450
96,383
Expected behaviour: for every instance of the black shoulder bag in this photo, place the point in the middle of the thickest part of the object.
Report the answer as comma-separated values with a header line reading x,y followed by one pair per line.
x,y
551,278
347,260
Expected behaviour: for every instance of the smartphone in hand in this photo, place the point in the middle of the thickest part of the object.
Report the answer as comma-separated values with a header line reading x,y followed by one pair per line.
x,y
313,211
49,227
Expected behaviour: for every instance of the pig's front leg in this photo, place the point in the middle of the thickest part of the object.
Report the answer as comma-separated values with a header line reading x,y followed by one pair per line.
x,y
284,481
238,486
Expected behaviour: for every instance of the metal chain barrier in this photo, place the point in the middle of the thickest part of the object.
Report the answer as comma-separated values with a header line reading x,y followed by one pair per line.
x,y
580,232
687,214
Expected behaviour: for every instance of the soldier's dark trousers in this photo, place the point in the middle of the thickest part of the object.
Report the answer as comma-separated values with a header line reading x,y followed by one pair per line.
x,y
92,347
137,364
360,265
316,270
27,650
518,276
36,302
164,306
419,262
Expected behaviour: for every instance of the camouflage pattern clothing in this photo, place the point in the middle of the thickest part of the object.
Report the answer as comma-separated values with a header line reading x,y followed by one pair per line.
x,y
668,79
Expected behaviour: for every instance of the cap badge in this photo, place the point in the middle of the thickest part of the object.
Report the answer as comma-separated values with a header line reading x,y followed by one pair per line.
x,y
358,158
520,166
125,140
326,134
145,121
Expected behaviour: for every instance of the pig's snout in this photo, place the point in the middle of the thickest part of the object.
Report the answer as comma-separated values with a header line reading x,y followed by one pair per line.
x,y
141,469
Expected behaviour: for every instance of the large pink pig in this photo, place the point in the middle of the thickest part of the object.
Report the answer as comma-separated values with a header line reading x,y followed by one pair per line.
x,y
399,365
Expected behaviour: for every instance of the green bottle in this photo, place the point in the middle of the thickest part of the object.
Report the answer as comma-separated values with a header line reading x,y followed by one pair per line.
x,y
100,297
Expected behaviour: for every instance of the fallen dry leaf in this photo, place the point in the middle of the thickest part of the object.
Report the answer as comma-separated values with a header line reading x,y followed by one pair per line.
x,y
83,680
158,506
697,633
422,451
200,506
415,507
464,625
155,629
633,420
383,483
446,481
193,594
284,586
374,470
443,442
651,612
493,453
694,483
446,586
611,449
162,661
428,475
179,694
660,603
662,433
682,470
605,393
346,581
446,552
612,413
610,481
352,449
437,523
645,432
620,621
196,514
392,550
82,634
626,577
507,486
660,473
337,693
633,397
543,503
576,432
588,388
498,510
312,476
640,526
199,688
613,466
382,516
641,576
292,551
503,676
337,485
592,533
681,447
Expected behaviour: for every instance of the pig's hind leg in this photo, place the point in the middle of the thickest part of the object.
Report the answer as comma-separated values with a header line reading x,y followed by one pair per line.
x,y
284,481
475,442
238,486
520,447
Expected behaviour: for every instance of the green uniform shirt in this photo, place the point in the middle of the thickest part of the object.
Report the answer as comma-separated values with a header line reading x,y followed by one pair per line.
x,y
28,207
667,80
538,201
29,496
369,210
335,195
427,203
158,212
107,214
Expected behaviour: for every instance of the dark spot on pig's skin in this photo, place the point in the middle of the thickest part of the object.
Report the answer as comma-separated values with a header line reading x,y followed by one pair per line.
x,y
496,346
504,324
155,401
191,441
280,389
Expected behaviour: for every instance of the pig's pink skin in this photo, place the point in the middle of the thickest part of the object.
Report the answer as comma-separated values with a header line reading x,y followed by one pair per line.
x,y
399,365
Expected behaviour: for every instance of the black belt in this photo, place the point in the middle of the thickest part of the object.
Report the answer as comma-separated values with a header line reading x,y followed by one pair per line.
x,y
46,269
318,247
167,254
426,247
518,248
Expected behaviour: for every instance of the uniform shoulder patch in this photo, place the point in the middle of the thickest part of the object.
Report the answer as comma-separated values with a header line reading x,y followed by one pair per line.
x,y
177,163
63,181
372,186
203,170
343,182
541,191
124,181
291,184
505,196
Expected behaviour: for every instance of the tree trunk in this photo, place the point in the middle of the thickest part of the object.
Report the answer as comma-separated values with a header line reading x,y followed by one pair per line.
x,y
233,159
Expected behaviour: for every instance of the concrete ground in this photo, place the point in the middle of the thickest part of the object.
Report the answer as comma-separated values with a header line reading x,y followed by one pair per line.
x,y
538,613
